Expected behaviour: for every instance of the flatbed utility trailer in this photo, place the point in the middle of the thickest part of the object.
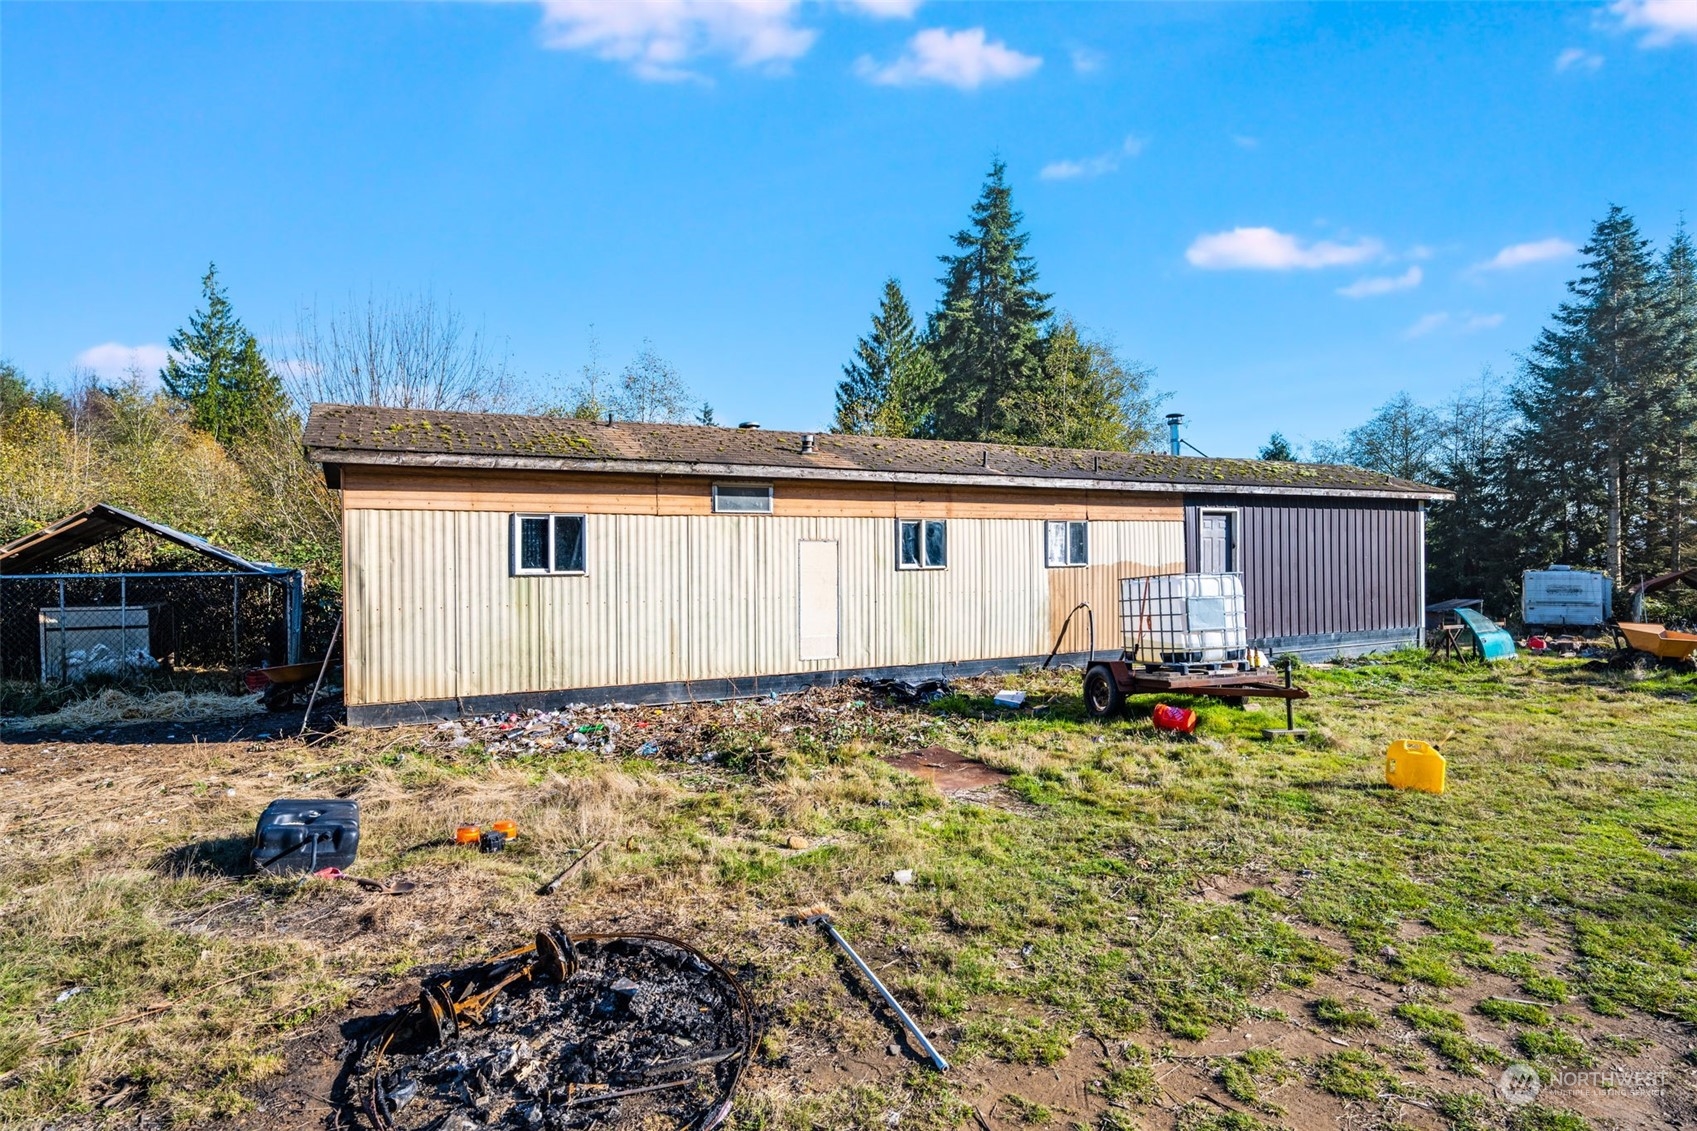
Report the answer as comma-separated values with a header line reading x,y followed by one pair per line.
x,y
1107,683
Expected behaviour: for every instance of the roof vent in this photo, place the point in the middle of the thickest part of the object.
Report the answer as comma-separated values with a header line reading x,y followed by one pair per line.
x,y
749,424
807,442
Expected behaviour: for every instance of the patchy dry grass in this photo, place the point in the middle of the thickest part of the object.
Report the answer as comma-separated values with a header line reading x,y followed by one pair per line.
x,y
1131,886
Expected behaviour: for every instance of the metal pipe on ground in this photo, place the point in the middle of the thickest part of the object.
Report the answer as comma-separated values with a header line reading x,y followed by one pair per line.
x,y
821,918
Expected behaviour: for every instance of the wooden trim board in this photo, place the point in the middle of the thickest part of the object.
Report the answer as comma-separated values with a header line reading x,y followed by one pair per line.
x,y
391,488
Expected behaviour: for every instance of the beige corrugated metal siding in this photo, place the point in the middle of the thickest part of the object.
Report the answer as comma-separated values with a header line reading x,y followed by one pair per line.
x,y
434,613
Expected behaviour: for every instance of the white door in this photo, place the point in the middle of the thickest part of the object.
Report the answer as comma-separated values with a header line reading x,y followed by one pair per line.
x,y
1217,544
818,600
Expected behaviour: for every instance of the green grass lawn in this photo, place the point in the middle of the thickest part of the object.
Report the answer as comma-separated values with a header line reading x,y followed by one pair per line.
x,y
1069,917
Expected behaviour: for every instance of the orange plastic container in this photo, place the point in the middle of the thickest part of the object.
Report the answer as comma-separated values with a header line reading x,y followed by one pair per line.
x,y
507,828
1412,764
1181,719
467,834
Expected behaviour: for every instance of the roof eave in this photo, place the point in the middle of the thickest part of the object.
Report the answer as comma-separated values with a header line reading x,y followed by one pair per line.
x,y
337,457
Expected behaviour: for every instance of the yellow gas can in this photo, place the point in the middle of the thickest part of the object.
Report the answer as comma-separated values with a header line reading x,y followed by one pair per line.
x,y
1412,764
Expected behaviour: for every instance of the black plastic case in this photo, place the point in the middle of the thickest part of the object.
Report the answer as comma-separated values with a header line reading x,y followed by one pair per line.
x,y
304,835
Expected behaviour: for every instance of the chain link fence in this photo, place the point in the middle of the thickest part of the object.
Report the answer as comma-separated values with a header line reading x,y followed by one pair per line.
x,y
66,628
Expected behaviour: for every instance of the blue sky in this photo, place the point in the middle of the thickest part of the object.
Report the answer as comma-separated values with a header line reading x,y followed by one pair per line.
x,y
1290,211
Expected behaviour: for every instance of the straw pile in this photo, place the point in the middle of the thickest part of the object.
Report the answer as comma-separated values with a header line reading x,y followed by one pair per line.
x,y
112,706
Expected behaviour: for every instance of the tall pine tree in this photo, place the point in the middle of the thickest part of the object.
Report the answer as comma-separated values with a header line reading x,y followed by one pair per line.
x,y
1676,447
1589,390
885,390
216,368
987,334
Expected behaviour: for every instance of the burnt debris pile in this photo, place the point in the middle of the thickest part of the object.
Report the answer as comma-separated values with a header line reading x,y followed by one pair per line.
x,y
575,1031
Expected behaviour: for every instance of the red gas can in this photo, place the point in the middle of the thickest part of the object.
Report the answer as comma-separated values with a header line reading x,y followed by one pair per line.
x,y
1181,719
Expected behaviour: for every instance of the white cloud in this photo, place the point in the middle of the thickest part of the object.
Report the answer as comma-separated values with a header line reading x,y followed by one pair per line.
x,y
1371,285
964,59
1425,324
657,39
1095,166
1521,254
1662,21
1265,249
1244,141
112,361
885,9
1464,323
1087,60
1577,58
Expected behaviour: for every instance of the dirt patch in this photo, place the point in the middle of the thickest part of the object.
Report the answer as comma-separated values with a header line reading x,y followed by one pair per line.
x,y
950,772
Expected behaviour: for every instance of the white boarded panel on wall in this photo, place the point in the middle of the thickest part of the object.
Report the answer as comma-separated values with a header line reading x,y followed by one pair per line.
x,y
817,599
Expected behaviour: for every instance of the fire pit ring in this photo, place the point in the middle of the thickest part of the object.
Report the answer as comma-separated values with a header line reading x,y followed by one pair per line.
x,y
572,1032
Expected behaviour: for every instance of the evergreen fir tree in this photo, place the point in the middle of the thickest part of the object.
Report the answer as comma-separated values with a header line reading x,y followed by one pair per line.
x,y
1277,448
986,335
886,387
1677,446
216,368
1589,390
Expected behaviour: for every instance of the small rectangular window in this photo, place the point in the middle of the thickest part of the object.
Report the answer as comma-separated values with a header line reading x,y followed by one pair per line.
x,y
548,543
922,543
742,498
1066,543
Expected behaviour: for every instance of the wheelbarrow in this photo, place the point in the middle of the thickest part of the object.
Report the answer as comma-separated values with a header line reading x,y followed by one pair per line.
x,y
279,685
1656,640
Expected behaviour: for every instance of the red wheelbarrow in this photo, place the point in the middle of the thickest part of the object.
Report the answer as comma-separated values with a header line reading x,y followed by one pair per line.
x,y
279,685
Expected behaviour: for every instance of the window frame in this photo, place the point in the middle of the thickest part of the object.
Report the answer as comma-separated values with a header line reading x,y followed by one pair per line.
x,y
767,487
551,541
922,543
1067,525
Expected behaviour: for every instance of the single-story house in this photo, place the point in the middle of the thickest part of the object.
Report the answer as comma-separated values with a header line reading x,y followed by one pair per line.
x,y
500,561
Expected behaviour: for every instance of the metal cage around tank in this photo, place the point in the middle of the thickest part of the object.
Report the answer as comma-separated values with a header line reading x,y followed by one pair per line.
x,y
1185,621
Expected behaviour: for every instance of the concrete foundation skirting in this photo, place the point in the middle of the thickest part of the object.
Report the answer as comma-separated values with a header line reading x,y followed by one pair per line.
x,y
1339,645
654,694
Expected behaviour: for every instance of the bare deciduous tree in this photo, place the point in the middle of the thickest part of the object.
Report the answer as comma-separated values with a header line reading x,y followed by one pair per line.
x,y
650,390
396,352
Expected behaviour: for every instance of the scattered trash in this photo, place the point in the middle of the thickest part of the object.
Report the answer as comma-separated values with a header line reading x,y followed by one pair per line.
x,y
467,834
506,828
1412,764
820,917
902,876
909,691
304,834
1012,699
67,995
1180,719
492,841
381,887
573,1031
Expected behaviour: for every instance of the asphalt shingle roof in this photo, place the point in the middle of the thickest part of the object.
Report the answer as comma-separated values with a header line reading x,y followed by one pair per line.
x,y
354,434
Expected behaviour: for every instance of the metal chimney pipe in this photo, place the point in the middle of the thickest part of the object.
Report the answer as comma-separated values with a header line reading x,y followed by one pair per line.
x,y
1174,419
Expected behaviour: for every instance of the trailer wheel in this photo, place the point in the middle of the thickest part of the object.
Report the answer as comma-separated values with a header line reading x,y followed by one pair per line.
x,y
1102,694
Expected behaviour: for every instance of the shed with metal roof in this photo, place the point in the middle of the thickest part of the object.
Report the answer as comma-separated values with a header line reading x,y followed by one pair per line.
x,y
76,600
